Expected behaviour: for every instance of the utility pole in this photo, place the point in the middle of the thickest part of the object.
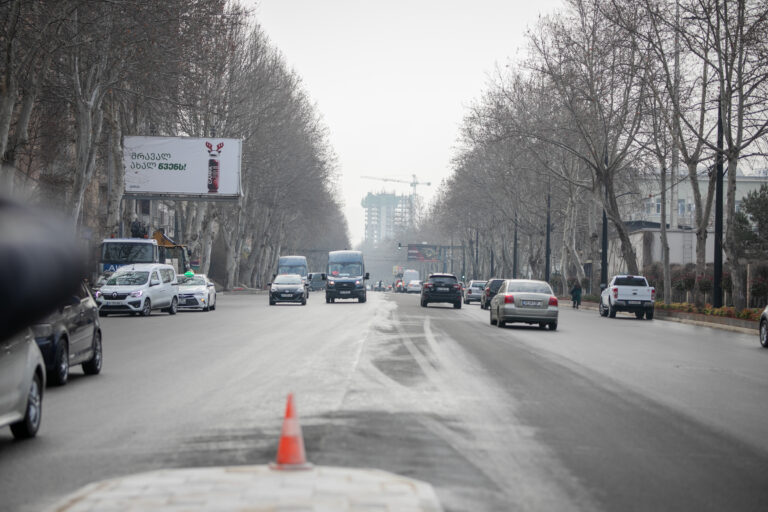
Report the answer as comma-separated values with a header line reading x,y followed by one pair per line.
x,y
717,285
514,256
549,229
604,255
477,244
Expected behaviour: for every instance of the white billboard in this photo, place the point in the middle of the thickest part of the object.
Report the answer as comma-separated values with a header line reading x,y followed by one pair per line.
x,y
207,168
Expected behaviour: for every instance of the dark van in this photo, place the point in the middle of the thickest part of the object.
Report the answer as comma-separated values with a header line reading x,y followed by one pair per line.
x,y
346,276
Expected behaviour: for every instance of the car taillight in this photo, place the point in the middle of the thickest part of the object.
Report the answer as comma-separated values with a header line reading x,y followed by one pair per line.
x,y
615,293
509,299
487,292
653,294
553,301
428,285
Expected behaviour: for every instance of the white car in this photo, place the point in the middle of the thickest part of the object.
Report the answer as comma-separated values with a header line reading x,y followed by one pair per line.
x,y
197,292
139,289
413,287
22,381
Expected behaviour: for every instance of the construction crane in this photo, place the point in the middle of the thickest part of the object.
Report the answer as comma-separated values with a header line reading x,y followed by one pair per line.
x,y
413,183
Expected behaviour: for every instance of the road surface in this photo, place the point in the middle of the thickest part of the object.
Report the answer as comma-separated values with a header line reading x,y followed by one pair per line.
x,y
602,414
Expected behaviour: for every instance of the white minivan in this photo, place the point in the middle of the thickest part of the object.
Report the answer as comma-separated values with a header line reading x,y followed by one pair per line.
x,y
138,289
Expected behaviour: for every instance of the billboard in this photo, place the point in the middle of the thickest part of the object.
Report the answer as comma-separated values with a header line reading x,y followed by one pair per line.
x,y
185,167
419,252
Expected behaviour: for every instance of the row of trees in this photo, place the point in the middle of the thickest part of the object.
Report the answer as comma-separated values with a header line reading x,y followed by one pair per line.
x,y
78,75
611,92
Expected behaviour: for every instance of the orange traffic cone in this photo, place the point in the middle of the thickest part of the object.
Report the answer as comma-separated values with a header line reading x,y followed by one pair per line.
x,y
290,451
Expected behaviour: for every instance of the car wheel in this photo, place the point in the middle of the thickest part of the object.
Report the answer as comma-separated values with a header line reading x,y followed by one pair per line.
x,y
102,313
764,333
174,306
28,426
424,303
542,325
499,320
649,314
304,302
601,309
490,315
639,315
611,311
60,373
147,309
93,365
207,304
552,326
271,302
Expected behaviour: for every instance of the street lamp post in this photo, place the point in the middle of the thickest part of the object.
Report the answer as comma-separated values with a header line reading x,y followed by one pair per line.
x,y
717,285
549,229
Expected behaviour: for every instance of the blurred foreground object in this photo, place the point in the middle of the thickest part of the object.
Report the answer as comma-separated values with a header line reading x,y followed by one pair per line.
x,y
41,265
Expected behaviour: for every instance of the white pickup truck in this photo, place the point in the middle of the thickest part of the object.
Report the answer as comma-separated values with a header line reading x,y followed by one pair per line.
x,y
628,293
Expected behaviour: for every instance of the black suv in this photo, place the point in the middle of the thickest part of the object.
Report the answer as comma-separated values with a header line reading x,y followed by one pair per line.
x,y
69,336
491,287
441,288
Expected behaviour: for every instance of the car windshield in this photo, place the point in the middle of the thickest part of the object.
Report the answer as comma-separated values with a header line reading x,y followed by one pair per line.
x,y
345,269
292,269
288,279
192,281
495,284
478,284
127,252
128,278
529,287
630,281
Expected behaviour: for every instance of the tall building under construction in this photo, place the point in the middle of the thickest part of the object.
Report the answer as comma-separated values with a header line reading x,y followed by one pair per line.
x,y
385,215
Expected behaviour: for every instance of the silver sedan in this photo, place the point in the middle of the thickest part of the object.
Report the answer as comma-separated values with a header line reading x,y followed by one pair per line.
x,y
197,292
526,301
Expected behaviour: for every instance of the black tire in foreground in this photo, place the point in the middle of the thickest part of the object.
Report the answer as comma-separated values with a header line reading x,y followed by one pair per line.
x,y
28,427
764,333
93,365
173,307
147,309
60,373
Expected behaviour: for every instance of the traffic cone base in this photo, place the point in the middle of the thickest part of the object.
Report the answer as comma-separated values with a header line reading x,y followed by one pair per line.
x,y
290,451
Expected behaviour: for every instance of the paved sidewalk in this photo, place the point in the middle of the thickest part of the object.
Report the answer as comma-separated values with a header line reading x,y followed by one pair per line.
x,y
591,306
255,488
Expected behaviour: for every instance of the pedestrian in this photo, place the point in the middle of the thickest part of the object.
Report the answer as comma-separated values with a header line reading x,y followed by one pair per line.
x,y
576,295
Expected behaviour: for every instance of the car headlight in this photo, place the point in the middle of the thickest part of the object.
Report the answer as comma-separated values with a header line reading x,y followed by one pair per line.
x,y
137,293
42,330
331,283
97,294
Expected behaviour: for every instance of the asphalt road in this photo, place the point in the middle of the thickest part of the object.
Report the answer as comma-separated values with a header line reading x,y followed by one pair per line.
x,y
602,414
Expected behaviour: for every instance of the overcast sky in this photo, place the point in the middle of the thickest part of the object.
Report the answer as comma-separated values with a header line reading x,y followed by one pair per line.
x,y
392,79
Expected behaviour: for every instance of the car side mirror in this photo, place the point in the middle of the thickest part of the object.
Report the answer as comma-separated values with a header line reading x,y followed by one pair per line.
x,y
269,284
154,282
367,275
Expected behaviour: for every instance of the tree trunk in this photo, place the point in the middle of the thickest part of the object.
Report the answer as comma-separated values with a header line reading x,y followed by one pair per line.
x,y
731,245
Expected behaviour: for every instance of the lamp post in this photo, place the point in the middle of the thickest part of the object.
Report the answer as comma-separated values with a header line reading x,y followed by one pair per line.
x,y
717,285
549,229
514,255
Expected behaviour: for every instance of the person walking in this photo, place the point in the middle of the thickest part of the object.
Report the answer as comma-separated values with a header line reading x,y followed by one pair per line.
x,y
576,295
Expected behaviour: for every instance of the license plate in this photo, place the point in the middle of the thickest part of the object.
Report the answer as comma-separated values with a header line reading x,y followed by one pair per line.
x,y
635,302
442,289
287,294
345,292
190,302
113,303
531,303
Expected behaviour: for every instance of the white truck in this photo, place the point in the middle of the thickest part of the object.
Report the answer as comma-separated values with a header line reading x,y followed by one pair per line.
x,y
628,293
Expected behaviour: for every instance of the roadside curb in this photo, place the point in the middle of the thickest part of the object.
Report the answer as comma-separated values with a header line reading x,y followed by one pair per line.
x,y
238,488
661,314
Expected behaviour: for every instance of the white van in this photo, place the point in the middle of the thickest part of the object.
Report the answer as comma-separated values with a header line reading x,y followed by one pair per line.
x,y
138,289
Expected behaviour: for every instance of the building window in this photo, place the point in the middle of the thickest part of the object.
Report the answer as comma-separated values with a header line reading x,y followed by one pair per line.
x,y
658,206
681,206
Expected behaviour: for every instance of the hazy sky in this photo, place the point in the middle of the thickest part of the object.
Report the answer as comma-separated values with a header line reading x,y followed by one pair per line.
x,y
392,79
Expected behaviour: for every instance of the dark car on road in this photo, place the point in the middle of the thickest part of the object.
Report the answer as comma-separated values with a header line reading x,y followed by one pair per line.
x,y
69,336
288,288
491,288
441,288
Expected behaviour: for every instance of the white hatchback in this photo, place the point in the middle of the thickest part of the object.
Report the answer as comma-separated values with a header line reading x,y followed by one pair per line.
x,y
139,289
